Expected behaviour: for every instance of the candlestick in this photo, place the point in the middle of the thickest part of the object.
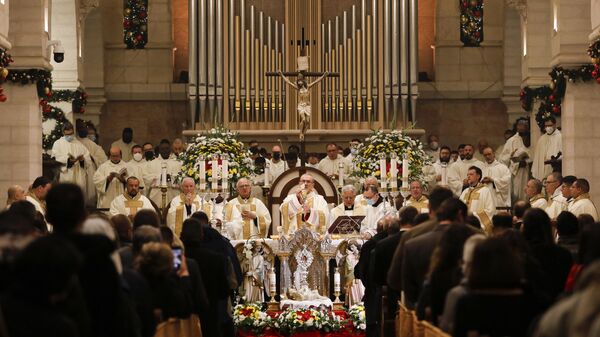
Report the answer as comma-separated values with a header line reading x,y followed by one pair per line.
x,y
163,174
202,172
341,174
214,184
336,281
444,181
272,283
225,173
267,169
394,171
382,170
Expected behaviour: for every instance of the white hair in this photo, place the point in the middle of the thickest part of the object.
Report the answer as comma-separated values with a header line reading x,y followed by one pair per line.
x,y
188,178
349,188
470,245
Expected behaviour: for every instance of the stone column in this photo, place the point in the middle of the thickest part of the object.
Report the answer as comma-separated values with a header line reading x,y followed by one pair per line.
x,y
570,41
581,134
20,116
93,67
512,64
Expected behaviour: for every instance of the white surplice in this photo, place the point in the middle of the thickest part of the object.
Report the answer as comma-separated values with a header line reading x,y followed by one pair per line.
x,y
556,203
153,179
515,147
481,203
108,191
457,173
502,181
292,213
583,205
62,150
244,229
547,146
126,205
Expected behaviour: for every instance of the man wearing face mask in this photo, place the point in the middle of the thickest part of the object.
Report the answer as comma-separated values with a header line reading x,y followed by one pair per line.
x,y
153,174
433,147
548,146
98,158
516,155
457,174
353,146
110,178
125,143
376,209
74,157
138,164
278,165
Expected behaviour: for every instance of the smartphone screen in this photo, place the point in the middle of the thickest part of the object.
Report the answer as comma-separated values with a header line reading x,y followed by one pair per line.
x,y
176,258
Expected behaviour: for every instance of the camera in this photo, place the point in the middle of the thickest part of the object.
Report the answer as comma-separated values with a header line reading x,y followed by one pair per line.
x,y
58,52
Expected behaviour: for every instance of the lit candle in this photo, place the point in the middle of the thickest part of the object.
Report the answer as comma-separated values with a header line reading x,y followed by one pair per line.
x,y
272,282
383,171
267,169
405,171
163,174
202,172
341,174
444,181
215,173
225,174
394,171
336,281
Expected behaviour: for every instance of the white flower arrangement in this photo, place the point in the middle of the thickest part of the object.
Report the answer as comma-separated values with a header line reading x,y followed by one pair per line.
x,y
356,315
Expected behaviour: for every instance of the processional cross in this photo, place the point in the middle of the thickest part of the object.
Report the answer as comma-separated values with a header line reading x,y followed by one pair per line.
x,y
303,108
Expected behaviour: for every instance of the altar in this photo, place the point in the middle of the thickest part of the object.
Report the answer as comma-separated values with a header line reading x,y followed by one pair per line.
x,y
304,269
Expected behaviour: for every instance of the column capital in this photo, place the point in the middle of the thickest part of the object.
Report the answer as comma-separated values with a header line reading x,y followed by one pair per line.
x,y
519,5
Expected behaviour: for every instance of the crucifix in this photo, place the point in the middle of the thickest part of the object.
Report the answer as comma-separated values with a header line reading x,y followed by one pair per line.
x,y
302,86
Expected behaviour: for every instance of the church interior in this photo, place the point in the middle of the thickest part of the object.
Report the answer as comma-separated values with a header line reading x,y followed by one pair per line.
x,y
306,167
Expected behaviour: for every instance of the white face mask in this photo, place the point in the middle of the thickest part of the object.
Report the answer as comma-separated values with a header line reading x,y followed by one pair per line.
x,y
434,145
137,156
69,138
549,130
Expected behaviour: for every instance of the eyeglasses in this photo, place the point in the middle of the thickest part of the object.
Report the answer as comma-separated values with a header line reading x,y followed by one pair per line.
x,y
306,181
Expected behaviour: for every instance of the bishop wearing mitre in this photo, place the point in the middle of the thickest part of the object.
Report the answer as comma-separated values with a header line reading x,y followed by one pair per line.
x,y
304,206
110,178
248,216
348,206
479,199
185,204
130,202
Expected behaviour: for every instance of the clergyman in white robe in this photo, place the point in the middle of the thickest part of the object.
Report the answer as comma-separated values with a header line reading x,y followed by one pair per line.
x,y
75,160
517,156
498,179
110,178
306,206
548,146
457,173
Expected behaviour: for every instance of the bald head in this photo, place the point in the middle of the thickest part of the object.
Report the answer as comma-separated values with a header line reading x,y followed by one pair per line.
x,y
115,155
370,181
15,193
307,181
177,146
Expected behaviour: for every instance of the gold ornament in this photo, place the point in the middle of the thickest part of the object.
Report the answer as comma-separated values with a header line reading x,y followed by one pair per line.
x,y
46,90
552,85
127,11
464,19
595,60
143,28
474,3
4,72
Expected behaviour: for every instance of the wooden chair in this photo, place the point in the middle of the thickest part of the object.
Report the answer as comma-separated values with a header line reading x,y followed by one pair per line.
x,y
174,327
429,330
418,330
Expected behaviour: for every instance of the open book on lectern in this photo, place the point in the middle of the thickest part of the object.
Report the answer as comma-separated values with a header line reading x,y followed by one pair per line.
x,y
346,224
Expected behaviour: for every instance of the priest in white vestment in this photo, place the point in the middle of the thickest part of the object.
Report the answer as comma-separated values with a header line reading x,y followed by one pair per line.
x,y
37,195
131,201
248,216
97,155
185,204
348,206
305,206
360,198
457,175
582,204
549,145
377,209
556,201
533,190
110,178
153,174
437,173
417,199
75,159
276,164
330,165
479,199
138,165
497,178
433,147
126,143
517,157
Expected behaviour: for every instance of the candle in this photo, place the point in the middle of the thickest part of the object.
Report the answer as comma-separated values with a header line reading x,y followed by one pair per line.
x,y
215,173
202,173
163,174
267,168
383,171
336,281
272,282
225,174
405,167
341,174
394,171
444,181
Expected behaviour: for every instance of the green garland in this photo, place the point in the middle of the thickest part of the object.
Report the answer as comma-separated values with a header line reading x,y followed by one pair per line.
x,y
135,23
42,79
471,22
78,98
5,61
551,96
594,51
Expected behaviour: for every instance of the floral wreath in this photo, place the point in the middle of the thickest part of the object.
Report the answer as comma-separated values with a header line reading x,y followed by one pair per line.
x,y
215,141
52,133
368,153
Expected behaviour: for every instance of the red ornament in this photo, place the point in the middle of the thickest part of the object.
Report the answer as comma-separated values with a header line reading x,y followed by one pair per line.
x,y
556,109
139,37
82,110
143,15
595,73
49,94
598,80
477,34
2,98
43,102
126,24
465,4
47,109
477,13
551,98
